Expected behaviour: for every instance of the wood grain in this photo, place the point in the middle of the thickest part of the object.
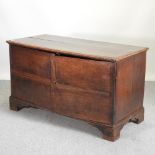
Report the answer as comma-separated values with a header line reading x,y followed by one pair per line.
x,y
97,82
79,47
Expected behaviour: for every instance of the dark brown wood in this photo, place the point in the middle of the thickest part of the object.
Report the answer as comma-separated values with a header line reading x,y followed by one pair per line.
x,y
130,85
100,83
70,76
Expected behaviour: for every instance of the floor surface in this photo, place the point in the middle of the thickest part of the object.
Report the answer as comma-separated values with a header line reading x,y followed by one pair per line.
x,y
37,132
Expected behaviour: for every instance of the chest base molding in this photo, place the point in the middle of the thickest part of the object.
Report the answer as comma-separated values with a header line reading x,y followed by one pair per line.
x,y
109,132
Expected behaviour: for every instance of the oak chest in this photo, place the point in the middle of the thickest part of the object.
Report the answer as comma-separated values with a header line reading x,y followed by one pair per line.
x,y
98,82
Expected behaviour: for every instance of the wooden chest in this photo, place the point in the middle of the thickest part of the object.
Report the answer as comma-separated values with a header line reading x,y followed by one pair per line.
x,y
98,82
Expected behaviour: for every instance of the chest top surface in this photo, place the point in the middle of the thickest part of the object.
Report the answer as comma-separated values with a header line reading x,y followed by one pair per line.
x,y
79,47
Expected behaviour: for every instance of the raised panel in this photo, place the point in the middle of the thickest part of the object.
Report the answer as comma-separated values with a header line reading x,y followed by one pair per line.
x,y
83,73
83,105
30,61
32,91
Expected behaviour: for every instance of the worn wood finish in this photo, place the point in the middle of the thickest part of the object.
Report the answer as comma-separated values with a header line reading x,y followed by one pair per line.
x,y
31,61
86,70
95,50
98,82
130,85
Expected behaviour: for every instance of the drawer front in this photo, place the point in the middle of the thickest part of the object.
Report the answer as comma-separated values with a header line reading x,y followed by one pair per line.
x,y
84,74
30,61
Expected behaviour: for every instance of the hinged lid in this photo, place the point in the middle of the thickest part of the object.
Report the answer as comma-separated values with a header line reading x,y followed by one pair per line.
x,y
97,50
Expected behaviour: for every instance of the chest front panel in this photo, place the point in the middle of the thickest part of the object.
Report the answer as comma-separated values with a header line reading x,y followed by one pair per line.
x,y
70,86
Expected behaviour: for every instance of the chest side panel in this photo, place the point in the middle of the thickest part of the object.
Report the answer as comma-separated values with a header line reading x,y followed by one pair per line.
x,y
130,85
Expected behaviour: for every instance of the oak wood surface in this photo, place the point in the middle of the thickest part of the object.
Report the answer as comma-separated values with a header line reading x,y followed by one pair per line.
x,y
130,84
79,47
100,83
